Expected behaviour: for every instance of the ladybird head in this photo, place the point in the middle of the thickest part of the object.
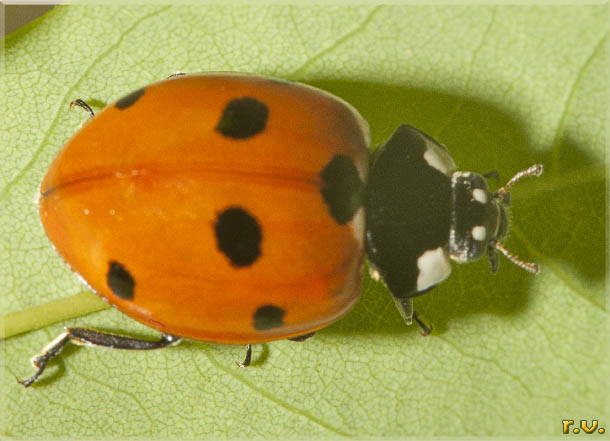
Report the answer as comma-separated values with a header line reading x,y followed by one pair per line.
x,y
479,218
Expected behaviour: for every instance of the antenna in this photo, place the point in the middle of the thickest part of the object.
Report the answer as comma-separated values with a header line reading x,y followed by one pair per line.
x,y
527,266
534,170
503,194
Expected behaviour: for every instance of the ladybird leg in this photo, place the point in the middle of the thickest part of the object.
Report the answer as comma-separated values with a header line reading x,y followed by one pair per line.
x,y
405,307
492,256
492,174
425,329
303,337
84,336
80,103
40,361
248,358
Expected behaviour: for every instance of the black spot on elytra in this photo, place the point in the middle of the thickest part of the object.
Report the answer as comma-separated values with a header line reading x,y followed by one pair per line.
x,y
342,189
238,236
243,118
120,281
130,99
268,317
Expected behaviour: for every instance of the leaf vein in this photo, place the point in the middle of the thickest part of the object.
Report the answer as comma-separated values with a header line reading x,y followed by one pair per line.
x,y
555,149
359,28
301,412
558,271
475,53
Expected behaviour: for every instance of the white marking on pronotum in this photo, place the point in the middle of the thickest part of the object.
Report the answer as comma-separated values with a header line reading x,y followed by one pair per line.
x,y
479,195
434,267
439,158
479,232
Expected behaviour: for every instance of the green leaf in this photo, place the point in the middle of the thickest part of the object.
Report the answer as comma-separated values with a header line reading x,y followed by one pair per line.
x,y
503,87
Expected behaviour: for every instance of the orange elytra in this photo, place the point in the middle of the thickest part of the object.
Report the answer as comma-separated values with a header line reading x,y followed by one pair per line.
x,y
210,206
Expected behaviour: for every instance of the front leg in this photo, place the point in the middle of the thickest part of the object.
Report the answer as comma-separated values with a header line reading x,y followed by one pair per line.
x,y
405,307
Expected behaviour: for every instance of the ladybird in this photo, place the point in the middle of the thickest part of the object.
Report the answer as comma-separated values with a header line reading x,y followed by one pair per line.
x,y
238,209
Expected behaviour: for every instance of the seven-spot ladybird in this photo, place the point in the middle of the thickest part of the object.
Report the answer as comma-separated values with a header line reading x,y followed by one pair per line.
x,y
233,208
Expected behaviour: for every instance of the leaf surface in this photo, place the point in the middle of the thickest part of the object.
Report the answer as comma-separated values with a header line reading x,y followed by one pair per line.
x,y
503,87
